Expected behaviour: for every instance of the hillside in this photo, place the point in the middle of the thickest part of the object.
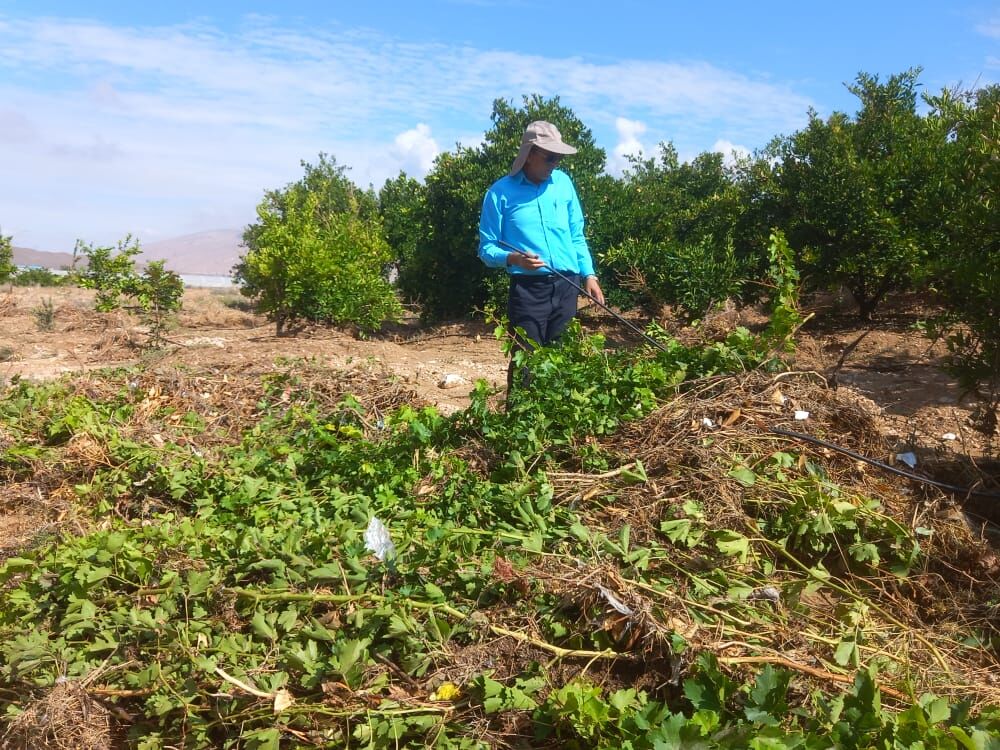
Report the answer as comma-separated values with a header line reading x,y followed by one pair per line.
x,y
26,256
212,253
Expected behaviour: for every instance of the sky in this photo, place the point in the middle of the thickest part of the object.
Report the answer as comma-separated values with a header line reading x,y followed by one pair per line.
x,y
164,119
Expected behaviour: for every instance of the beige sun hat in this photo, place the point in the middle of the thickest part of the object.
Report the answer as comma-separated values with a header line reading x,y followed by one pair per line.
x,y
546,136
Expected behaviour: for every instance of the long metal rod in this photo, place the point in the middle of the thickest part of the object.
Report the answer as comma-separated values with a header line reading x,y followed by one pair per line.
x,y
591,297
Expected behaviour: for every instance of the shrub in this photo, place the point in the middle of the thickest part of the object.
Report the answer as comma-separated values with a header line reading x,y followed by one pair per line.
x,y
44,315
109,271
692,275
155,295
158,293
402,205
39,277
855,191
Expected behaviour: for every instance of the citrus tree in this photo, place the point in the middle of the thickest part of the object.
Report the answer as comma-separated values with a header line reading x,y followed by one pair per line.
x,y
7,267
109,271
402,205
856,192
317,253
967,267
667,229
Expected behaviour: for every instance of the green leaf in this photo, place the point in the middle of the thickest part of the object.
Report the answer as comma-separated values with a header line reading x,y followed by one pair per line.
x,y
288,619
332,571
198,581
262,627
349,653
846,653
677,530
14,565
264,739
637,474
744,476
937,710
434,592
733,544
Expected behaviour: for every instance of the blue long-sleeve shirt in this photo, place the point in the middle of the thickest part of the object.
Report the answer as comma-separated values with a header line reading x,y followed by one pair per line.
x,y
545,219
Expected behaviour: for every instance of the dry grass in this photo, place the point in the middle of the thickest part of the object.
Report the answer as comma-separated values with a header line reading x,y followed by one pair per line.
x,y
66,717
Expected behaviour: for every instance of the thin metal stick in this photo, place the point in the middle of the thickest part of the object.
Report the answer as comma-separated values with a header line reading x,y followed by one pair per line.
x,y
591,297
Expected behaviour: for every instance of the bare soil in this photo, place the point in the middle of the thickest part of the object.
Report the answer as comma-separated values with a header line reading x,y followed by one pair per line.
x,y
214,330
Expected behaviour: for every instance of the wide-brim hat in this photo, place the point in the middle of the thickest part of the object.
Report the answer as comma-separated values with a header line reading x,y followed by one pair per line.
x,y
545,136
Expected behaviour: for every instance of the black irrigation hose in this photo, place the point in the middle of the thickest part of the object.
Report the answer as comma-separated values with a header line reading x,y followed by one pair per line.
x,y
874,462
591,297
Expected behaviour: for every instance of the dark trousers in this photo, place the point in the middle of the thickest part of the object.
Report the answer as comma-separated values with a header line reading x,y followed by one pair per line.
x,y
543,306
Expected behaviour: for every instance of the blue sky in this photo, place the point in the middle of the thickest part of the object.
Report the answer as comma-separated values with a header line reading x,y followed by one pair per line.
x,y
175,118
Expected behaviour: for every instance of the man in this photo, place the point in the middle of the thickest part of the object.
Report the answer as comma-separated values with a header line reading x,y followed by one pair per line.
x,y
535,209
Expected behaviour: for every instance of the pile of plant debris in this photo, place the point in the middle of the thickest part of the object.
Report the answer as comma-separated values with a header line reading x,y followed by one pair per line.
x,y
629,556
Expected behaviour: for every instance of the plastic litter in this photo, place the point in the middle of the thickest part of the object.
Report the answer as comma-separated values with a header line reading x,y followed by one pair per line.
x,y
378,541
949,436
801,415
769,593
909,458
614,601
706,422
451,380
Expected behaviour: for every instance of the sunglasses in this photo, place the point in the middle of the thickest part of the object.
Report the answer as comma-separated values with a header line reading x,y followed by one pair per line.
x,y
550,159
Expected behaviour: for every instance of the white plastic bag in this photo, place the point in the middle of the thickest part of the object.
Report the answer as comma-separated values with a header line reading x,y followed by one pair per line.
x,y
378,541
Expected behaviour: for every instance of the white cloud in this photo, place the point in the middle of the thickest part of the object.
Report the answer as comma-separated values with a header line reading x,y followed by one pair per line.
x,y
169,127
990,28
628,143
416,150
731,151
16,127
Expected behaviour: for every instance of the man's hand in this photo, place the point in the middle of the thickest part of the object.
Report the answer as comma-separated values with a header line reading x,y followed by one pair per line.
x,y
592,287
528,261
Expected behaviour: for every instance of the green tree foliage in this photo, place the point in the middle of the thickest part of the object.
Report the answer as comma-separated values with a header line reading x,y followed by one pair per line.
x,y
693,275
7,267
664,200
155,293
39,277
445,274
855,191
968,220
762,209
402,203
668,229
109,271
317,253
158,293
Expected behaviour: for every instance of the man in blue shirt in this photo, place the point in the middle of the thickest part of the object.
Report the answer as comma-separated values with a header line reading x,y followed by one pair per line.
x,y
535,209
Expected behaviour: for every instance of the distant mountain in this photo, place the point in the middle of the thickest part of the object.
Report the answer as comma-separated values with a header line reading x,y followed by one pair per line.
x,y
25,256
214,252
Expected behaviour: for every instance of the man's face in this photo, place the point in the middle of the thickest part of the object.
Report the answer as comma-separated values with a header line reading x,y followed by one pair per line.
x,y
540,163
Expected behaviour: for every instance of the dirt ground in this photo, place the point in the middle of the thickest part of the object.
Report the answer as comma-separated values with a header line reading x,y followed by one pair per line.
x,y
441,364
